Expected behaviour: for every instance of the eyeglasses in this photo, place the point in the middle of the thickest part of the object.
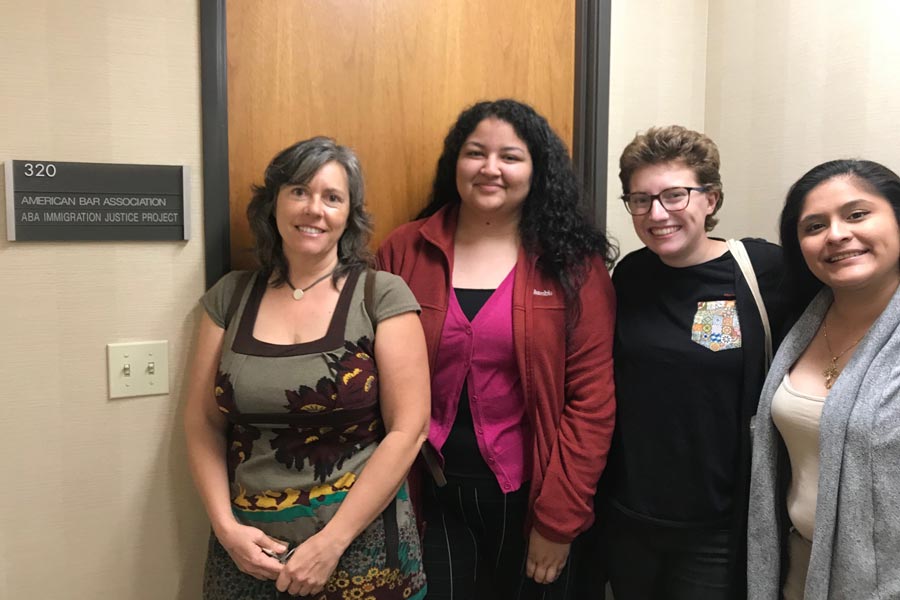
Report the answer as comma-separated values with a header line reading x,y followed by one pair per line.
x,y
672,199
283,557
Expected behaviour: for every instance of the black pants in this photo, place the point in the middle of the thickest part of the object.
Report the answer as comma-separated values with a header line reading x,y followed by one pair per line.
x,y
591,562
475,548
651,562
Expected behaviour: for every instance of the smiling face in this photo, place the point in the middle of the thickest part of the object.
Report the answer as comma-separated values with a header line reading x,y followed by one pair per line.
x,y
849,236
493,170
311,217
678,238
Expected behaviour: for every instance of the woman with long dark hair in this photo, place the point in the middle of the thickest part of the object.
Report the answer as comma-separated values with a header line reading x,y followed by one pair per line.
x,y
518,313
825,495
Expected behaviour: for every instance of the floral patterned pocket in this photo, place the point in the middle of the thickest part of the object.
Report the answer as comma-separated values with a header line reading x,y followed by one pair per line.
x,y
716,325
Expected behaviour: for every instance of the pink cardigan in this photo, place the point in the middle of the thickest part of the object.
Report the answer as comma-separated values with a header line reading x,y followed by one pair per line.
x,y
567,380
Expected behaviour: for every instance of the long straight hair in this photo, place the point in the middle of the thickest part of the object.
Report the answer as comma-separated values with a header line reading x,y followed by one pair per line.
x,y
873,176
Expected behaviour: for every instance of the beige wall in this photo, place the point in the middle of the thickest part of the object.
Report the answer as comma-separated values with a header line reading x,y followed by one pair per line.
x,y
657,77
97,501
780,86
793,84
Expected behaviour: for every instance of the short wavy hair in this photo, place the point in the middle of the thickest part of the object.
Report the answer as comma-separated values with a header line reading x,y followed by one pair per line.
x,y
675,143
872,176
554,226
298,164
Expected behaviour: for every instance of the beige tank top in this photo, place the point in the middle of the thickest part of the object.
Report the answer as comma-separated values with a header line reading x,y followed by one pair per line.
x,y
797,416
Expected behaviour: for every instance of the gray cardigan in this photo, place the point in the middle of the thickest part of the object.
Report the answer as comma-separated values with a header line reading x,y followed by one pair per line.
x,y
856,540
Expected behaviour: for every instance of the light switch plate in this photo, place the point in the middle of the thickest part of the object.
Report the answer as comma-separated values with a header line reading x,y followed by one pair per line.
x,y
138,369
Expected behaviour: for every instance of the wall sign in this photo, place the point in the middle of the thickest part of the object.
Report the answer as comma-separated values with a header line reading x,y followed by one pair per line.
x,y
47,200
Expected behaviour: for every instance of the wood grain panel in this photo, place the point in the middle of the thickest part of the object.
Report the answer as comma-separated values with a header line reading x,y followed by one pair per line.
x,y
386,77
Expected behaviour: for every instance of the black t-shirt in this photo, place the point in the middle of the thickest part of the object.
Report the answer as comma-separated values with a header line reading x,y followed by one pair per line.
x,y
679,378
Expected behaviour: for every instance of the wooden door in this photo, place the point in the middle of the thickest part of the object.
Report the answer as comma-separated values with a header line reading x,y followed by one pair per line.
x,y
386,77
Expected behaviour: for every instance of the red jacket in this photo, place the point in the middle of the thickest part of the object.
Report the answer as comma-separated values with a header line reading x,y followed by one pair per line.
x,y
567,380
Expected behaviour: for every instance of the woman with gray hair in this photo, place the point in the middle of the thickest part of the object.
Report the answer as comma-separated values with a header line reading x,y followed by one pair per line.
x,y
301,422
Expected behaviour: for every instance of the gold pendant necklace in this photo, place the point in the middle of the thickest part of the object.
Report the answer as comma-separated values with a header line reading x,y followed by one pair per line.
x,y
831,372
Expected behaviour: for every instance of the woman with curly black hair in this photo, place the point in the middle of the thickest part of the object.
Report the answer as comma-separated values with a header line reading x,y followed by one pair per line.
x,y
518,312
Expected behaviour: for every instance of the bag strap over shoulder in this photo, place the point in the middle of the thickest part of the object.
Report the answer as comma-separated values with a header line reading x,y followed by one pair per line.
x,y
236,296
739,252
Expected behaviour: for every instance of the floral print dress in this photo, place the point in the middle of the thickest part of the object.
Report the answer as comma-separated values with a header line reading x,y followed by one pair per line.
x,y
303,421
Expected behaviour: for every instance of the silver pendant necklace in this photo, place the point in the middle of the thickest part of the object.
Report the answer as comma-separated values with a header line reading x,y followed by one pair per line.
x,y
300,292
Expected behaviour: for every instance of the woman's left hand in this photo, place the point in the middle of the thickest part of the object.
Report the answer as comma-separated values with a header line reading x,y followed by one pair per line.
x,y
546,559
309,567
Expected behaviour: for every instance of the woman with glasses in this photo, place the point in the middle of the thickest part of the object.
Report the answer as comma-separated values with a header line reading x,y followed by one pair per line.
x,y
825,495
689,365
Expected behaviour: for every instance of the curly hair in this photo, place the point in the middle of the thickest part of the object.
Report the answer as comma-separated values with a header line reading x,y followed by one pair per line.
x,y
872,176
675,144
553,225
298,164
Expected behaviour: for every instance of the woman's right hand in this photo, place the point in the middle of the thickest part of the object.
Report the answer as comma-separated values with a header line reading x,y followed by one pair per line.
x,y
245,545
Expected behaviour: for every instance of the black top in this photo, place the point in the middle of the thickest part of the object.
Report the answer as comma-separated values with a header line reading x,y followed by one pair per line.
x,y
678,391
462,457
471,301
642,270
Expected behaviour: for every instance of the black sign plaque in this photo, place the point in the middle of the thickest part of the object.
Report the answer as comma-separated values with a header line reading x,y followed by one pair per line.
x,y
69,201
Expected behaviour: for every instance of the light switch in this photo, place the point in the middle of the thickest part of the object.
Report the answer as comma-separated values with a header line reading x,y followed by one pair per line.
x,y
138,369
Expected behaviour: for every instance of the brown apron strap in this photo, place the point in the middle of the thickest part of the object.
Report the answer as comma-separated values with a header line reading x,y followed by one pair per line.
x,y
236,297
369,296
391,535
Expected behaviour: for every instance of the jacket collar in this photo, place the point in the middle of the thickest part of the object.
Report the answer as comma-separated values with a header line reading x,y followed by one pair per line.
x,y
440,228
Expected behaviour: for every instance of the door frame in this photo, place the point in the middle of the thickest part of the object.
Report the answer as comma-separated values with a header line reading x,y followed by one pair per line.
x,y
590,127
